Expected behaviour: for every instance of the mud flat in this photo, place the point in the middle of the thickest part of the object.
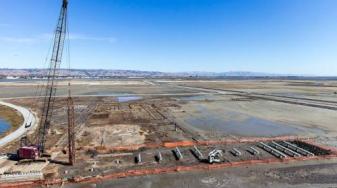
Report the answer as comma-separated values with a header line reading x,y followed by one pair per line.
x,y
302,106
306,174
142,118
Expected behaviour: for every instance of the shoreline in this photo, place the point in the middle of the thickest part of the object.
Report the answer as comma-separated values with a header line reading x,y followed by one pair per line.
x,y
12,117
28,117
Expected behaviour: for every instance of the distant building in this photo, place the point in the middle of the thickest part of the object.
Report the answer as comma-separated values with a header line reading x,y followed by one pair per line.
x,y
12,77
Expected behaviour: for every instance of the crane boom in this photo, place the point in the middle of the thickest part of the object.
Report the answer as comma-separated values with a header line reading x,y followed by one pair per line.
x,y
53,72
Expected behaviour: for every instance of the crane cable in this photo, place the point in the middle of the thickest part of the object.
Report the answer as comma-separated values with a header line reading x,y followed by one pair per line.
x,y
40,85
68,50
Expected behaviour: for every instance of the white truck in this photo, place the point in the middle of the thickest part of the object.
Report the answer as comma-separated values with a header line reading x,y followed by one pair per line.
x,y
214,156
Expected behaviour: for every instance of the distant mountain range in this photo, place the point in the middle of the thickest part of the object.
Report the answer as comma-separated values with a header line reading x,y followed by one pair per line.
x,y
105,73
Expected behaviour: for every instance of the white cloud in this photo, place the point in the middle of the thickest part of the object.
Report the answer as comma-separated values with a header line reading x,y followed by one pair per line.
x,y
92,38
4,25
48,37
24,40
17,40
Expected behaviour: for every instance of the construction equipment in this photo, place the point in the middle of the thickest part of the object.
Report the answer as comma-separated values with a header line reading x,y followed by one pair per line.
x,y
214,156
28,152
38,149
27,125
71,125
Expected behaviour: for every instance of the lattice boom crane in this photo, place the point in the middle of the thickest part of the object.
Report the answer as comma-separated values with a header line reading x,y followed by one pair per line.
x,y
35,151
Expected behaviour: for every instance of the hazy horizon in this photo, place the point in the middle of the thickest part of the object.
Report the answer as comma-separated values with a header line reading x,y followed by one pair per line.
x,y
244,73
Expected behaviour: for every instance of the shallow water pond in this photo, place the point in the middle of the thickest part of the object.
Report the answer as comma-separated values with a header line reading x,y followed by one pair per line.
x,y
128,98
234,123
4,126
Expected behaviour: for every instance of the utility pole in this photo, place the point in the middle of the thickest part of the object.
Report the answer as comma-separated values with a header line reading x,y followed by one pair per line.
x,y
71,124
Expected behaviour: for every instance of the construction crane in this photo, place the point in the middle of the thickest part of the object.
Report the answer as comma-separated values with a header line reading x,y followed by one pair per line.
x,y
38,149
49,97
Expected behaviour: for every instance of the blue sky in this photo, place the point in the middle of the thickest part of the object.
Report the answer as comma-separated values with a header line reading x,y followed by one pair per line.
x,y
274,36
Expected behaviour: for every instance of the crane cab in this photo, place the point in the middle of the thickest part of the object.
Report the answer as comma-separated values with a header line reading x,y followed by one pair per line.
x,y
28,152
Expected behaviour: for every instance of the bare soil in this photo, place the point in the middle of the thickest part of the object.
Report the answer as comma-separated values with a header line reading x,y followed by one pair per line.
x,y
176,110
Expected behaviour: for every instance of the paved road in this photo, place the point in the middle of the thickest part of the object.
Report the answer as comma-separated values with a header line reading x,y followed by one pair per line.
x,y
28,118
116,95
317,103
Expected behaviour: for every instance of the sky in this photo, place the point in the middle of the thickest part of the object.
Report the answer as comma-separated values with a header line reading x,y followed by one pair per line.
x,y
270,36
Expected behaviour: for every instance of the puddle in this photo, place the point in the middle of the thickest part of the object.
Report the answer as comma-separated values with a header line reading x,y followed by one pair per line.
x,y
128,98
242,125
106,93
195,98
120,96
4,126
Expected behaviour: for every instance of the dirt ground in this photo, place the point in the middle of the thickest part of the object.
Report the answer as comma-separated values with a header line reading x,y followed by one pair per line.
x,y
300,175
116,135
125,112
